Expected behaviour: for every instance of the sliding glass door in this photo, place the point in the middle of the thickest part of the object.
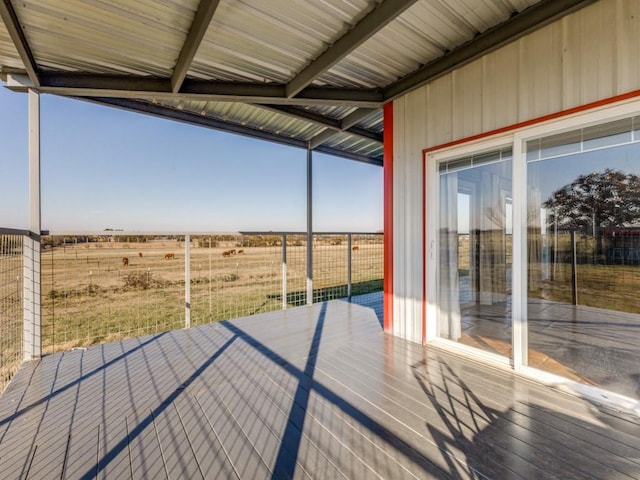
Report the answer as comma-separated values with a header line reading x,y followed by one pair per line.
x,y
533,250
583,248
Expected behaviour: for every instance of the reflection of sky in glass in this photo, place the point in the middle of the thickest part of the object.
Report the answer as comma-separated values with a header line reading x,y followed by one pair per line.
x,y
463,212
553,174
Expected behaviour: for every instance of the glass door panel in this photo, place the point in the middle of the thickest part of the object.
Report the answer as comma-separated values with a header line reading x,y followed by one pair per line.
x,y
474,255
583,244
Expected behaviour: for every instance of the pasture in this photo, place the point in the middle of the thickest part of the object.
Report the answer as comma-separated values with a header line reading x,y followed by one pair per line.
x,y
99,291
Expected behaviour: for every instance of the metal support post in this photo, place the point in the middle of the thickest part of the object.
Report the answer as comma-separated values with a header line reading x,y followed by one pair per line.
x,y
31,340
349,269
284,271
187,281
309,227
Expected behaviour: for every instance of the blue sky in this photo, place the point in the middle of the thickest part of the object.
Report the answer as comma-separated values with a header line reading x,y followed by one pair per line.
x,y
107,168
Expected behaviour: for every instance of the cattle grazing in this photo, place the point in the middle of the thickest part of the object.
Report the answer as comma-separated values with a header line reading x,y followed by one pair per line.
x,y
125,262
233,252
240,252
355,247
169,256
140,254
226,253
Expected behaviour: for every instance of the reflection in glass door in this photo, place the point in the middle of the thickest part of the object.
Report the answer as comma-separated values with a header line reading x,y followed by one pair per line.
x,y
583,249
474,255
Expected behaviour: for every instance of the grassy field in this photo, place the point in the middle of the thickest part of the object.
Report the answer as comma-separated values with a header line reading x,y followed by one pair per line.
x,y
600,285
91,296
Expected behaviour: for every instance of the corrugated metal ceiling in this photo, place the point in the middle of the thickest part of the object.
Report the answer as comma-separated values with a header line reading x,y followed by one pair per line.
x,y
115,46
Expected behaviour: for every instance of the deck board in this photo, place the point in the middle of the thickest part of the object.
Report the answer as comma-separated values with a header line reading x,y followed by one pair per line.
x,y
207,448
547,438
314,392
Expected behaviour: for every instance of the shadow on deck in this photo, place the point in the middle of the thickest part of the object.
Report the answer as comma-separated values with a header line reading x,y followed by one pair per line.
x,y
310,392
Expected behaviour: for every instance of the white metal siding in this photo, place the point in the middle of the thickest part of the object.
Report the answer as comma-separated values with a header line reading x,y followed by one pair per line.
x,y
407,221
590,55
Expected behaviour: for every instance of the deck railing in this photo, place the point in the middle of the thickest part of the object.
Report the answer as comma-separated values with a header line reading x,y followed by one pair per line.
x,y
113,285
11,302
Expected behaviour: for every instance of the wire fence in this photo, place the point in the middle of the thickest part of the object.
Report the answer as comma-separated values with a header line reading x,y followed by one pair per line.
x,y
594,271
104,288
11,305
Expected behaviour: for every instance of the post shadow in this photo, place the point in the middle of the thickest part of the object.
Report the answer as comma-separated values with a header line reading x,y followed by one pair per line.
x,y
103,461
286,459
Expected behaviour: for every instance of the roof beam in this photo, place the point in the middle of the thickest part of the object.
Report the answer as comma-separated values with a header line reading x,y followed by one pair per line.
x,y
521,24
328,134
333,125
356,117
10,19
201,21
303,114
118,86
347,124
207,122
361,32
322,138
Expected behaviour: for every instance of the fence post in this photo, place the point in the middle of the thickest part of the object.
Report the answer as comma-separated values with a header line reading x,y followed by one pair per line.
x,y
574,269
284,271
349,247
187,282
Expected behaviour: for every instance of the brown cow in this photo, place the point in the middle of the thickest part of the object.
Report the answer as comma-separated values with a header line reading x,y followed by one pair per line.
x,y
168,256
240,252
226,253
125,262
140,254
233,252
355,247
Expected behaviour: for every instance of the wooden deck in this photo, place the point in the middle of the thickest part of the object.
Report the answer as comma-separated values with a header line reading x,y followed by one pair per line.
x,y
311,392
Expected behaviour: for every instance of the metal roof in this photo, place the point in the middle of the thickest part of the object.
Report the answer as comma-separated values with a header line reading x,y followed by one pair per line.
x,y
305,73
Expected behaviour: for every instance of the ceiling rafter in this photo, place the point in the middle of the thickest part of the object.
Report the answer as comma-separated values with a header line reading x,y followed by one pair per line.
x,y
372,23
356,117
332,124
523,23
199,26
12,23
347,124
303,114
322,138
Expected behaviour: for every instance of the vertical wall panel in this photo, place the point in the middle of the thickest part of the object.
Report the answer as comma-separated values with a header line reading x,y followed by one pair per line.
x,y
539,76
500,94
627,45
408,221
467,102
587,56
438,110
399,212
